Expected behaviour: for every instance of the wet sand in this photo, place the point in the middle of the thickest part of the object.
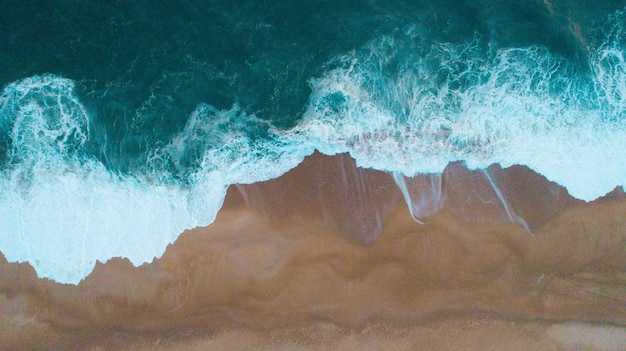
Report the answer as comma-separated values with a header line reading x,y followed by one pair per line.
x,y
289,265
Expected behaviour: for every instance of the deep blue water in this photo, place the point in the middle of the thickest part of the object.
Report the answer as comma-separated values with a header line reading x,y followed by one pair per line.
x,y
123,122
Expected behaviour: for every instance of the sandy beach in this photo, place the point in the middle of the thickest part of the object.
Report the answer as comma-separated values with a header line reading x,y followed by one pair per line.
x,y
281,269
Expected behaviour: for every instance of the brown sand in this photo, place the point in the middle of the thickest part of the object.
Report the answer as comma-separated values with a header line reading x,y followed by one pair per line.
x,y
286,273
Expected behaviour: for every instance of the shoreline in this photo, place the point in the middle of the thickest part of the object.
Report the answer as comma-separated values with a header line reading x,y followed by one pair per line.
x,y
284,264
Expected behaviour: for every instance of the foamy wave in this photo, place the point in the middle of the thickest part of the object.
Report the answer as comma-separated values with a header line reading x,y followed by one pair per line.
x,y
396,105
394,108
62,210
230,145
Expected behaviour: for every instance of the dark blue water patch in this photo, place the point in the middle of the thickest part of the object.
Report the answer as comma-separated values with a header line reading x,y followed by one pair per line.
x,y
272,48
142,67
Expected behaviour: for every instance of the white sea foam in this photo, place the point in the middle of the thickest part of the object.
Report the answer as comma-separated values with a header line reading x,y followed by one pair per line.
x,y
225,144
61,210
393,106
396,111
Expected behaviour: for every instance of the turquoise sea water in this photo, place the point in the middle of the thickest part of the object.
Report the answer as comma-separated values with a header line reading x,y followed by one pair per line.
x,y
122,123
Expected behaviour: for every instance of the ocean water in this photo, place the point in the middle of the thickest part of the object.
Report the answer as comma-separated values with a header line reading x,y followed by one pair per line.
x,y
122,123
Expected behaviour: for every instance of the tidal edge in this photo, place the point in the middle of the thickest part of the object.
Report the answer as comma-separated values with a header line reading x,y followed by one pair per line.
x,y
328,256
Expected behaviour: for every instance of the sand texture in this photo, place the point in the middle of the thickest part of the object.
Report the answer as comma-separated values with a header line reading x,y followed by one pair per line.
x,y
290,265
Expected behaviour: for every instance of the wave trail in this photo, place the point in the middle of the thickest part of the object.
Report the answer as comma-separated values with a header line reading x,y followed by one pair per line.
x,y
422,193
348,200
